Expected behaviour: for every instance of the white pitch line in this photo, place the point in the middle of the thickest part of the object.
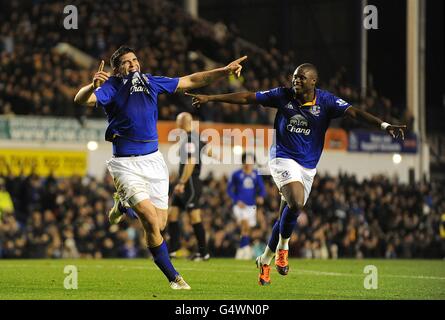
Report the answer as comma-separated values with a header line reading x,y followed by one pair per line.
x,y
336,274
314,272
247,270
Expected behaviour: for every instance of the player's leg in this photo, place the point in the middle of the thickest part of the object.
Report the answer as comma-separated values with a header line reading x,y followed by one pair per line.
x,y
163,218
120,209
244,239
245,247
269,252
144,193
263,261
293,192
151,222
156,177
239,217
192,194
248,221
173,229
198,229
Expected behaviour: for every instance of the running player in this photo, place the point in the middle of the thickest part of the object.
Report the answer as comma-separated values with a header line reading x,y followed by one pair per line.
x,y
246,188
303,116
129,98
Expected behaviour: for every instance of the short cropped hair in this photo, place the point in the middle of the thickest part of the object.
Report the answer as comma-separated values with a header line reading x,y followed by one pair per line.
x,y
248,158
309,66
115,58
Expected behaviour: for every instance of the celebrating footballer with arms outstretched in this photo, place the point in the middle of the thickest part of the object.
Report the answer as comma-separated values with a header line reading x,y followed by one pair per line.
x,y
303,116
129,98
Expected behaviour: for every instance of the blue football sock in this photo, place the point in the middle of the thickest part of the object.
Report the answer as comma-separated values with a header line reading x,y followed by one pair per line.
x,y
127,211
288,222
275,236
130,213
245,241
162,260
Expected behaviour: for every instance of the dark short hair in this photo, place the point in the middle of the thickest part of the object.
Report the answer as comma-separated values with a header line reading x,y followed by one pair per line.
x,y
246,156
115,58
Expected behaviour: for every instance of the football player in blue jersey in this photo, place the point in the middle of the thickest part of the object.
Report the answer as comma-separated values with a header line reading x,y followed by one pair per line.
x,y
246,189
303,116
129,99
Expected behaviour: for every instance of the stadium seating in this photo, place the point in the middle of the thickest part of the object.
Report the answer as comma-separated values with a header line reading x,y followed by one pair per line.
x,y
35,79
54,218
68,217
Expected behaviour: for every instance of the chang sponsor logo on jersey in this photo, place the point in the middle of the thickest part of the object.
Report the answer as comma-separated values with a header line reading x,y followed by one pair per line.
x,y
298,124
137,85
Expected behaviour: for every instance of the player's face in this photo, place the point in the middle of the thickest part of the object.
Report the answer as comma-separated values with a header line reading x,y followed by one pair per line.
x,y
129,63
303,80
247,167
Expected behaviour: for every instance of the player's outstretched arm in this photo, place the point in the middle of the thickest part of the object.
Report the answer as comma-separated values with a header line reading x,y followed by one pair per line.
x,y
396,131
201,79
86,96
234,98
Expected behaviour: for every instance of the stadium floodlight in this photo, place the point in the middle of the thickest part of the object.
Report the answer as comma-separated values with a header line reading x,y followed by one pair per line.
x,y
396,158
92,145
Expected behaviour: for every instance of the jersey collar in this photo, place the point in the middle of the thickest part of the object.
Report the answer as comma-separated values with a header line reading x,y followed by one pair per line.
x,y
310,103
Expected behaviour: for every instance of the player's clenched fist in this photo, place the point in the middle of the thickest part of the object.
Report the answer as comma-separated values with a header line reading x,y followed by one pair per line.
x,y
100,76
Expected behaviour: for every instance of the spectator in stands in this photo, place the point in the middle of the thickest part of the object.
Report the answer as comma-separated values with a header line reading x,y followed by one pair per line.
x,y
375,218
37,79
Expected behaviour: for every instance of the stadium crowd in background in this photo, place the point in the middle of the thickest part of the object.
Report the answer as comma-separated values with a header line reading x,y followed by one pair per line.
x,y
67,218
37,80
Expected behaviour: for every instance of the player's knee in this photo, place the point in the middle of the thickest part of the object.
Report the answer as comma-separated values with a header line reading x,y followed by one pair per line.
x,y
172,217
173,214
294,205
196,220
162,224
195,216
147,215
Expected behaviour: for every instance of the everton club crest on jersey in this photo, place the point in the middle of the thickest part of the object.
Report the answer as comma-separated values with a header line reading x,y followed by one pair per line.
x,y
315,110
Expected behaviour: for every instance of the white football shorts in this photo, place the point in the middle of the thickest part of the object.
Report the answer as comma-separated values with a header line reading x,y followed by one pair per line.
x,y
140,178
284,171
247,213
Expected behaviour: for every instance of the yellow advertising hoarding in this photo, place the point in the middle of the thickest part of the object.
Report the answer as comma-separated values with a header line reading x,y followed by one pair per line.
x,y
60,162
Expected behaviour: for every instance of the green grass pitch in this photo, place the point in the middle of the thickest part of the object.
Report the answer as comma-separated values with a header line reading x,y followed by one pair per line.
x,y
220,279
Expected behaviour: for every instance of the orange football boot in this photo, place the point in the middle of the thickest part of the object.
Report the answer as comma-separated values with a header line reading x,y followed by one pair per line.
x,y
264,276
281,262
